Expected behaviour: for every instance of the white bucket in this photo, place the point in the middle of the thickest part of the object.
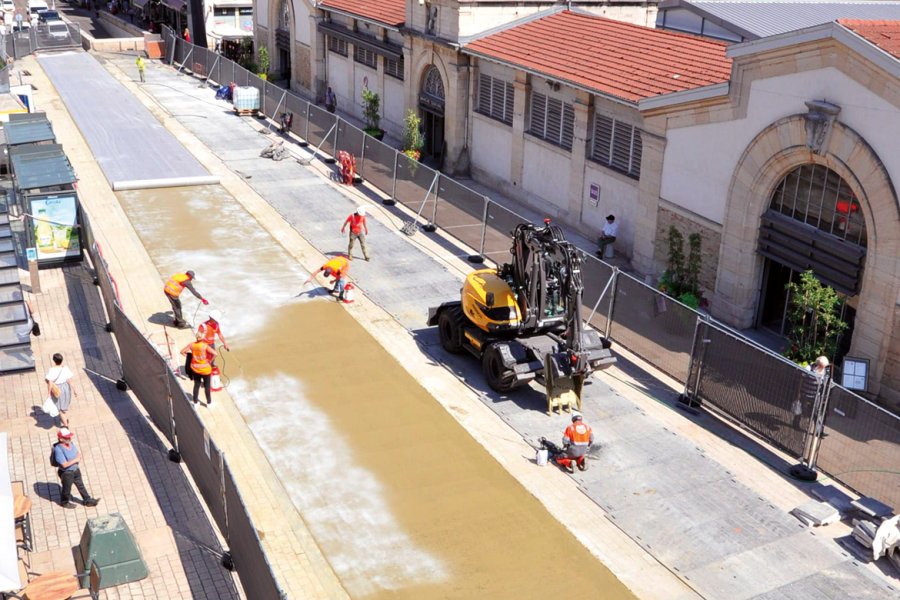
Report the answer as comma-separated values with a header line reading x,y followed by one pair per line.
x,y
348,293
215,382
541,457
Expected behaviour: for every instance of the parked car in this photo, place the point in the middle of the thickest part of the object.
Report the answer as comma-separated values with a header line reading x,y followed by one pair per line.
x,y
7,5
57,29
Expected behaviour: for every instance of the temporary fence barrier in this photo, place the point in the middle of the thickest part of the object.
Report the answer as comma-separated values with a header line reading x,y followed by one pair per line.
x,y
757,388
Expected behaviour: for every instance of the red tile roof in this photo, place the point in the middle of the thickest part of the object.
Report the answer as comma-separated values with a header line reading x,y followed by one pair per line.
x,y
884,34
611,57
389,12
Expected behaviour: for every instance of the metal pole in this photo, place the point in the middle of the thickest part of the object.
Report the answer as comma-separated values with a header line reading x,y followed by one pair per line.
x,y
209,73
275,114
362,157
306,132
222,491
687,381
434,212
186,59
394,178
603,293
817,423
612,301
410,227
316,150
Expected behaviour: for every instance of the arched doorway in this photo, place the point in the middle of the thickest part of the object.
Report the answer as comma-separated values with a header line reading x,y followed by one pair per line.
x,y
283,41
431,104
814,221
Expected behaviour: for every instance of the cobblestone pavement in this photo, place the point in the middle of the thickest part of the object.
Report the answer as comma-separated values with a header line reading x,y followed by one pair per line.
x,y
124,462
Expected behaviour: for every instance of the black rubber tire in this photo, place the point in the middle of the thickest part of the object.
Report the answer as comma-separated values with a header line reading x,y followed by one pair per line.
x,y
450,330
497,375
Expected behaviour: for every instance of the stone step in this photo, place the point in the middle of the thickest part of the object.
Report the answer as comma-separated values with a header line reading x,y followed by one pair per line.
x,y
16,358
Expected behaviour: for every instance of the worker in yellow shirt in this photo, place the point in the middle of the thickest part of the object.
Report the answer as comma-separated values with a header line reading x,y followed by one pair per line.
x,y
337,267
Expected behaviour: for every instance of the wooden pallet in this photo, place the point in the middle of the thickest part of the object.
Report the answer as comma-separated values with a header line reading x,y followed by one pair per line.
x,y
250,112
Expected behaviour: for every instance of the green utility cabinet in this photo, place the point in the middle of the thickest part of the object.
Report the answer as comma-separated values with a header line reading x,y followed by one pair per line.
x,y
108,541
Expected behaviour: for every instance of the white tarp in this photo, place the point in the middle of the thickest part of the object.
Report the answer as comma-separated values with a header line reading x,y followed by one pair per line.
x,y
9,560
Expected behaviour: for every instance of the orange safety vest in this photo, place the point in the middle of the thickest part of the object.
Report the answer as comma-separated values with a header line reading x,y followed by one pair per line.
x,y
338,265
200,358
579,433
175,284
209,329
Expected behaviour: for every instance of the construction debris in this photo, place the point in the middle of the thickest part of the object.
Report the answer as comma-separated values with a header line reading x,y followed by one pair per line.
x,y
275,151
816,514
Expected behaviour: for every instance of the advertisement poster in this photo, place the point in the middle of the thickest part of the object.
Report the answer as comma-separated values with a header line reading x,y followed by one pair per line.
x,y
55,233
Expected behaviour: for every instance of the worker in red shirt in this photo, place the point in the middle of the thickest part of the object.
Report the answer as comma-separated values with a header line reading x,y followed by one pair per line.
x,y
211,328
358,231
337,267
174,286
577,438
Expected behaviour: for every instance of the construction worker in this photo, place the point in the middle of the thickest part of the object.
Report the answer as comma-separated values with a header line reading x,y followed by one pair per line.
x,y
202,357
174,286
358,231
211,328
576,441
140,66
337,267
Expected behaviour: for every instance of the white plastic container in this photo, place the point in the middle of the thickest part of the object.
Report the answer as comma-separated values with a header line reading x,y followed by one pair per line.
x,y
246,98
541,457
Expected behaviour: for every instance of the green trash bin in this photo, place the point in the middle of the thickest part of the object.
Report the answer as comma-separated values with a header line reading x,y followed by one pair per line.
x,y
107,541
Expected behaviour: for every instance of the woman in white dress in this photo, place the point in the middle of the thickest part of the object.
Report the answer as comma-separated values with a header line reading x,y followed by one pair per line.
x,y
62,376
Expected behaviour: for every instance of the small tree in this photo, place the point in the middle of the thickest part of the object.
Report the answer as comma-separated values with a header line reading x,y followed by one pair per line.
x,y
680,280
262,62
413,140
372,112
814,314
692,271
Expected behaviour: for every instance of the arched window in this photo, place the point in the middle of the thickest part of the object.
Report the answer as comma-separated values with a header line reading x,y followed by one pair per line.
x,y
433,86
817,196
284,15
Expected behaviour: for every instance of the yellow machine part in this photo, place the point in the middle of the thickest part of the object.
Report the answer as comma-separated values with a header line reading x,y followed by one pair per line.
x,y
503,313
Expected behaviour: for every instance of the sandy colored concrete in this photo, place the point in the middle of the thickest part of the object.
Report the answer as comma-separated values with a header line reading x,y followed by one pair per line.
x,y
403,502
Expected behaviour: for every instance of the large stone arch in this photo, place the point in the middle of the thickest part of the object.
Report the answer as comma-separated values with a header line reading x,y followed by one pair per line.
x,y
274,20
770,156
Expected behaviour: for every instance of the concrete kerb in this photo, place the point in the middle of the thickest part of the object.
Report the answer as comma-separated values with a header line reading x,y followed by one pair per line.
x,y
271,510
639,570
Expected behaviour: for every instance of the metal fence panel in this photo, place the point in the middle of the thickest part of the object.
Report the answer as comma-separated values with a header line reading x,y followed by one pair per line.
x,y
199,66
460,212
500,225
415,181
653,326
861,447
320,126
22,43
226,71
351,140
241,76
274,102
378,166
145,371
596,274
256,574
763,392
300,109
201,456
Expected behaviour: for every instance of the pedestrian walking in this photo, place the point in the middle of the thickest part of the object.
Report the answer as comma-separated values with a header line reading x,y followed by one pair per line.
x,y
140,67
337,267
187,35
61,388
174,286
202,357
67,459
330,100
358,231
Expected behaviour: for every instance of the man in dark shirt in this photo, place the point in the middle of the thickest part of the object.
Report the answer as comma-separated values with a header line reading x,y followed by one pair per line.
x,y
68,459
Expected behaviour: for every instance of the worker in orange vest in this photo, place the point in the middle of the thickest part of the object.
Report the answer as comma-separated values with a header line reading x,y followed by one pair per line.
x,y
576,441
337,267
174,286
202,357
211,328
358,231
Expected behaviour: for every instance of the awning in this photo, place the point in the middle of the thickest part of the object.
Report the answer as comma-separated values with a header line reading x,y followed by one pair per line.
x,y
40,166
228,32
26,128
382,48
176,5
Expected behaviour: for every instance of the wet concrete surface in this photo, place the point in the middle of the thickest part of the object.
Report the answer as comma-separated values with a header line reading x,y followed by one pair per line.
x,y
402,501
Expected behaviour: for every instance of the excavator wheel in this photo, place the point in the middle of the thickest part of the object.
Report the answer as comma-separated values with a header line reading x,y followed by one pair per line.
x,y
450,325
499,377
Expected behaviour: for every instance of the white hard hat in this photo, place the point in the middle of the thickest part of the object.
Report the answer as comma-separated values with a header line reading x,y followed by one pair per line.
x,y
361,211
215,314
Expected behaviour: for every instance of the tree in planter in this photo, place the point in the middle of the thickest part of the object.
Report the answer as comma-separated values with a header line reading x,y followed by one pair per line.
x,y
814,314
372,113
682,281
262,62
413,140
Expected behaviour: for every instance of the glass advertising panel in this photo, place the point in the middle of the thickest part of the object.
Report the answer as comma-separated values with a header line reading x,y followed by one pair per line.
x,y
55,227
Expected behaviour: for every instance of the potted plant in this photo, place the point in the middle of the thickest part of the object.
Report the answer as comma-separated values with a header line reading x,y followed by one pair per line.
x,y
262,63
372,113
413,140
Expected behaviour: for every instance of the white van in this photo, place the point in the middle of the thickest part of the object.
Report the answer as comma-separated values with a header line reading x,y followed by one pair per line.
x,y
36,5
58,29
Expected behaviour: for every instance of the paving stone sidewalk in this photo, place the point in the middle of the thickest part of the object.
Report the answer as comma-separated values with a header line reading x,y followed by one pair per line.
x,y
124,462
682,507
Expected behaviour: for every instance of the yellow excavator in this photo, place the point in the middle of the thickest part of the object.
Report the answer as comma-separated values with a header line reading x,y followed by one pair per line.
x,y
523,320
